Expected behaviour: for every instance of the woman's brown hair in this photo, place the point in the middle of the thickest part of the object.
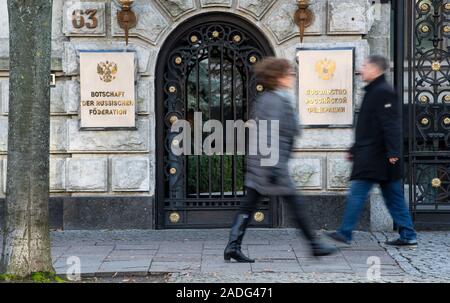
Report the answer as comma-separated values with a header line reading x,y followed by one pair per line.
x,y
270,69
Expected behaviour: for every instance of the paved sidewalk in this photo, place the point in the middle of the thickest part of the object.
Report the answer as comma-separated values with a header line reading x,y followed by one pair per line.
x,y
281,256
430,259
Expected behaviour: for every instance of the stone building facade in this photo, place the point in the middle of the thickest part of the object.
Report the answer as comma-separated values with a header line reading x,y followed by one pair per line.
x,y
107,178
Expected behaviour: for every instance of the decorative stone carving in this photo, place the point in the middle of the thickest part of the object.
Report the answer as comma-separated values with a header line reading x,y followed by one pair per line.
x,y
150,23
319,8
349,17
71,58
207,3
130,174
117,140
306,172
87,174
177,8
339,170
280,20
84,18
256,8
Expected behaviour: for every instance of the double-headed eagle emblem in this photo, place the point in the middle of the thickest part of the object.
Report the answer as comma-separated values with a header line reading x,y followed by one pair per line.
x,y
107,71
325,69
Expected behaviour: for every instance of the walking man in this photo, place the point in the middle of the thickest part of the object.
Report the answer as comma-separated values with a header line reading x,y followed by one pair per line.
x,y
376,156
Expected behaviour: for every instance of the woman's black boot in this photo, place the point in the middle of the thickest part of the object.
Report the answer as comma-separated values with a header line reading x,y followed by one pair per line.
x,y
233,249
318,248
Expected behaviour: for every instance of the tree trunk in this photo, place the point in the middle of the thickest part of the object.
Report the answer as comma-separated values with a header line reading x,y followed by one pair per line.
x,y
26,239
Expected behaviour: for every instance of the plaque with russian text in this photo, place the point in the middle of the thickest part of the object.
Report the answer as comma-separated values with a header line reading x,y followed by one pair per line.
x,y
107,90
326,86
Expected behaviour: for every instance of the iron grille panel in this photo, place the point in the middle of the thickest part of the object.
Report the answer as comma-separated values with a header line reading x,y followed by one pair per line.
x,y
428,108
207,68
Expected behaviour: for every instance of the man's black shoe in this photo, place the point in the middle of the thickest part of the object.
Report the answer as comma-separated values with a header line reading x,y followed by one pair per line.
x,y
400,242
338,237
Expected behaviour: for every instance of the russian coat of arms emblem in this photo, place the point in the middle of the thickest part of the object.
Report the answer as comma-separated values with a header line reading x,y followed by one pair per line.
x,y
325,69
107,71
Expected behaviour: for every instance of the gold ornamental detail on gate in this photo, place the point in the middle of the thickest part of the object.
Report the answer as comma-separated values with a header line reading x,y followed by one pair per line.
x,y
253,59
424,99
436,66
173,119
424,121
425,7
436,182
174,217
258,216
425,29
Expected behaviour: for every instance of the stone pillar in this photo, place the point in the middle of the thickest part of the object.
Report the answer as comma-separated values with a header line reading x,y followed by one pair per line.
x,y
379,39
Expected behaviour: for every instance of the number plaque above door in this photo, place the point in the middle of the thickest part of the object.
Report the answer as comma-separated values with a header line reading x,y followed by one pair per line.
x,y
84,18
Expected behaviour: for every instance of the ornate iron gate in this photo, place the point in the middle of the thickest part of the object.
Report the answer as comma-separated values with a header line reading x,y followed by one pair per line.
x,y
428,109
205,66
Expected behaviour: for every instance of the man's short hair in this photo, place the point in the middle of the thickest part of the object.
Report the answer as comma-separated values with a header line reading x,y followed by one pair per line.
x,y
379,61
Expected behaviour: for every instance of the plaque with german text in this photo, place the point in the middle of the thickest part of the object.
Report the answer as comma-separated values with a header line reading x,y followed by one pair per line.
x,y
326,86
107,90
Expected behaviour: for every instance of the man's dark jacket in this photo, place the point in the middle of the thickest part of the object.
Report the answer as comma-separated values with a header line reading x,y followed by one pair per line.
x,y
378,135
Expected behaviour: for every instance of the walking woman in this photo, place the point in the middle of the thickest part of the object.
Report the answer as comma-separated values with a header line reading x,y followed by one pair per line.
x,y
275,104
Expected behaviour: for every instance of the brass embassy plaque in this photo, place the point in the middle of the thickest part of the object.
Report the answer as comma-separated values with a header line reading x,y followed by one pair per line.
x,y
326,86
107,89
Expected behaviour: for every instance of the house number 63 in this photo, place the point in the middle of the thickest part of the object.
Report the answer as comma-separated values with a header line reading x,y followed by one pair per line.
x,y
79,18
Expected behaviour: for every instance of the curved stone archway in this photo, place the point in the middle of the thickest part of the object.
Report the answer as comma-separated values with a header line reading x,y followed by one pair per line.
x,y
273,18
206,60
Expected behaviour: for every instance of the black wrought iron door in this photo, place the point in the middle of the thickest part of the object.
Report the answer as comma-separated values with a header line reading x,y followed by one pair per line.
x,y
205,67
428,110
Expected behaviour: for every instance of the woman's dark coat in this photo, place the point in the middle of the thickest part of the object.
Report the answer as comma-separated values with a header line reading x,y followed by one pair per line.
x,y
274,180
378,135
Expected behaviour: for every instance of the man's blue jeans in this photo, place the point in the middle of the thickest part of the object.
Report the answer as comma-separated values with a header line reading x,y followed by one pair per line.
x,y
395,203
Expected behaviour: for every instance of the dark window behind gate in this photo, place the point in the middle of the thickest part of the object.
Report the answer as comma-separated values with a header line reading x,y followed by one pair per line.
x,y
428,109
205,66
